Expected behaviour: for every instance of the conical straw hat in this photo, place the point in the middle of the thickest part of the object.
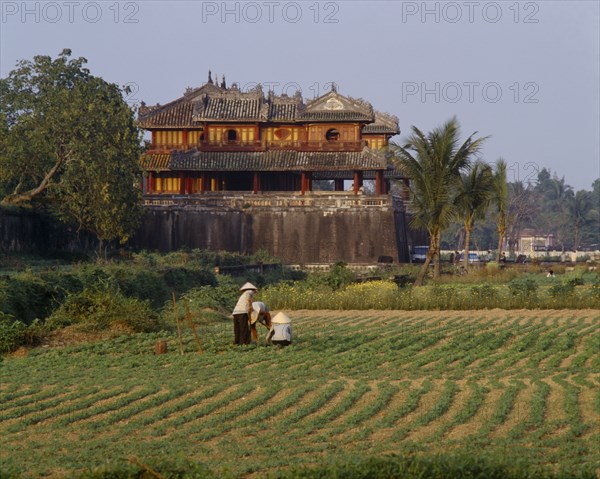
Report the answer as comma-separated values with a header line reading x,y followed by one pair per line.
x,y
248,286
281,318
258,307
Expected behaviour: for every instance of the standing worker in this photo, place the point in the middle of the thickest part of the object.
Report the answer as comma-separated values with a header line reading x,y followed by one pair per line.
x,y
241,315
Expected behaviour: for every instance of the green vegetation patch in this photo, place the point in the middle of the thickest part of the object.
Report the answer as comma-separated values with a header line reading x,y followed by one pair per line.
x,y
359,394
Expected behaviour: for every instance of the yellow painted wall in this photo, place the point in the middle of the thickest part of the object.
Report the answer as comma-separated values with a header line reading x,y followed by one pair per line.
x,y
168,137
269,133
376,142
168,184
194,136
348,132
219,133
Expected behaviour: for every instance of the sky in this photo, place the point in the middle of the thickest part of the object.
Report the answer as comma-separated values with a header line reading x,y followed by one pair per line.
x,y
524,73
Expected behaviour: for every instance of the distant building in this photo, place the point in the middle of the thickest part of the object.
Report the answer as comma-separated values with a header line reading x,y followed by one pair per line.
x,y
216,138
237,171
530,241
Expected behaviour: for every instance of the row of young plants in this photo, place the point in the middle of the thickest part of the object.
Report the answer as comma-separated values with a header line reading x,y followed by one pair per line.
x,y
349,381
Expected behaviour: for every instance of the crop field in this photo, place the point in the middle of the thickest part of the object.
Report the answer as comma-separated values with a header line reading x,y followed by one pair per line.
x,y
521,385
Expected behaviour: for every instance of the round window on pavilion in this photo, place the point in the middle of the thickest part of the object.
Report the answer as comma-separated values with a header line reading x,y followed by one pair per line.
x,y
332,135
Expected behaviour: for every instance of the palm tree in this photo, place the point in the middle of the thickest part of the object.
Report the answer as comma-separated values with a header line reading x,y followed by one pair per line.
x,y
433,163
475,191
501,200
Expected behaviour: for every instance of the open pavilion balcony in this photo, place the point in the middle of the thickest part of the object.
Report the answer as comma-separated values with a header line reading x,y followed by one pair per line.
x,y
261,145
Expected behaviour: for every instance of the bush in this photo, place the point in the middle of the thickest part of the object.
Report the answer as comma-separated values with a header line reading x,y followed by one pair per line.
x,y
184,279
338,277
484,292
12,333
26,297
220,298
15,333
562,289
103,308
523,287
577,281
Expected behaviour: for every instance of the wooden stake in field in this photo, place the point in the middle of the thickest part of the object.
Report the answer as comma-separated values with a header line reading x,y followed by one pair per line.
x,y
193,326
178,326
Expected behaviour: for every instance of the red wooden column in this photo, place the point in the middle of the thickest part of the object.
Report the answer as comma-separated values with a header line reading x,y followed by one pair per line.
x,y
150,183
303,183
204,181
356,184
379,182
256,183
184,139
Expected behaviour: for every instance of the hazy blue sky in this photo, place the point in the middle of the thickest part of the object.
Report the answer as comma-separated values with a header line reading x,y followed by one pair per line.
x,y
526,73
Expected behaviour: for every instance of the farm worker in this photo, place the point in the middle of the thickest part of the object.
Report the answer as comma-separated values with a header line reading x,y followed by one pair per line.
x,y
281,330
241,314
259,314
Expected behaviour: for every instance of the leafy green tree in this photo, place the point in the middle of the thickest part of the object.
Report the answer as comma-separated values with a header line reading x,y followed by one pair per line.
x,y
552,196
475,191
433,162
591,231
581,212
69,139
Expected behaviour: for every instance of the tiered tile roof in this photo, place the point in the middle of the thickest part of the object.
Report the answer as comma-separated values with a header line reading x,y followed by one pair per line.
x,y
384,124
277,160
216,103
328,165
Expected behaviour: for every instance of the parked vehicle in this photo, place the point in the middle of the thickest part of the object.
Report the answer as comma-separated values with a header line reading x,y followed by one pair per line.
x,y
473,258
419,254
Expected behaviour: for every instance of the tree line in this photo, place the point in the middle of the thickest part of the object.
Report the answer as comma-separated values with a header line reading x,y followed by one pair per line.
x,y
69,145
452,189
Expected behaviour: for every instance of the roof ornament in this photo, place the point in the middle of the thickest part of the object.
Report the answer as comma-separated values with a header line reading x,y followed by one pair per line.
x,y
223,84
209,77
333,87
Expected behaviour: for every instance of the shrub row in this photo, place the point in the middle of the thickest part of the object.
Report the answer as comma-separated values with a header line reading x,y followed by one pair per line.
x,y
521,293
391,467
27,296
131,296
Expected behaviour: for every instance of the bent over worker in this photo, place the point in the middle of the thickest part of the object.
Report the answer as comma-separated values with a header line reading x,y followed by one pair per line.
x,y
241,314
259,314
